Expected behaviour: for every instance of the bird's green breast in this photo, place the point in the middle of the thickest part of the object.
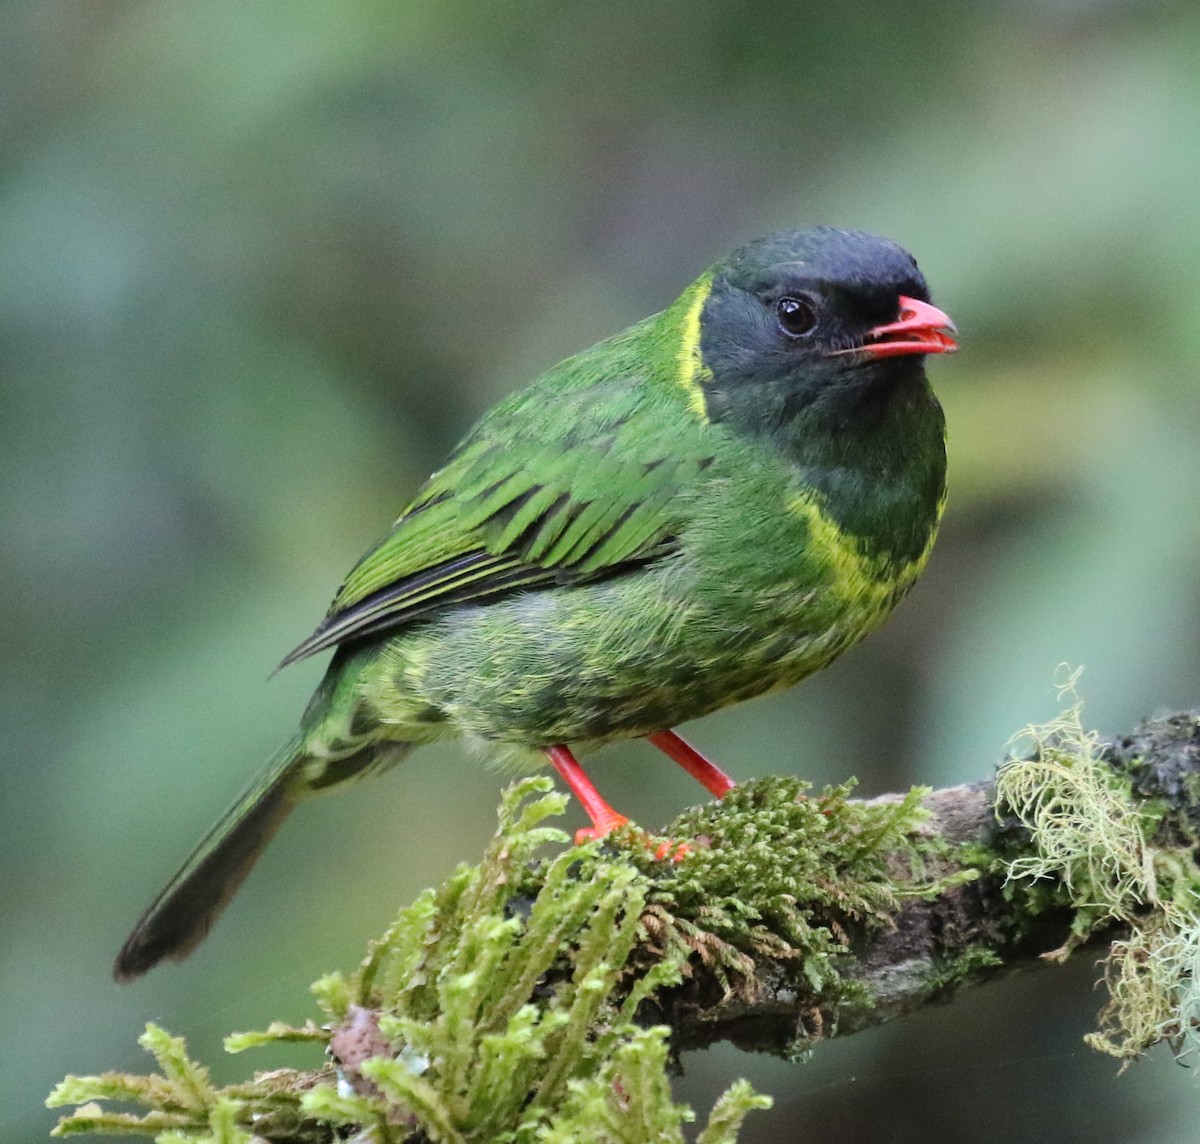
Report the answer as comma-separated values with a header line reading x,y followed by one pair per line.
x,y
788,577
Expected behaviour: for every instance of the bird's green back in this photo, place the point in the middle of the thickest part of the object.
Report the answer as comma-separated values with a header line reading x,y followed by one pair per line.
x,y
576,477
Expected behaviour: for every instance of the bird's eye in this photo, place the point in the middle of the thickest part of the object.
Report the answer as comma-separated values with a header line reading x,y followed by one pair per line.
x,y
796,315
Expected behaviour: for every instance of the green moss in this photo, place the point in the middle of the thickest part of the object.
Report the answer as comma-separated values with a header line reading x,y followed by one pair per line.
x,y
796,879
497,1008
504,1005
1028,900
951,972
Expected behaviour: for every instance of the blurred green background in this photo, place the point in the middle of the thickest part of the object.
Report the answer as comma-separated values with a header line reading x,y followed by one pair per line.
x,y
261,264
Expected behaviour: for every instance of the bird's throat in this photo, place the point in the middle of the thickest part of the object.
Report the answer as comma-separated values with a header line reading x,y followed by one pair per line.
x,y
876,462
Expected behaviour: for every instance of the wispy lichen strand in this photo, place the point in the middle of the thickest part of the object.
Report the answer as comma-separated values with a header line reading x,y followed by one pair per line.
x,y
1092,833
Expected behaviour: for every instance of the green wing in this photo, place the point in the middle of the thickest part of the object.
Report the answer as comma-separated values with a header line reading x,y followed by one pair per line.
x,y
582,486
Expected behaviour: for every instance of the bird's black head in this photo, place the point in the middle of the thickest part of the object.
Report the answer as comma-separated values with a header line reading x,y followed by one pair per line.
x,y
823,321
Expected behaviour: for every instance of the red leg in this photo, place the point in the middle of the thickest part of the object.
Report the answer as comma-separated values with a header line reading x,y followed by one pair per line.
x,y
604,818
696,765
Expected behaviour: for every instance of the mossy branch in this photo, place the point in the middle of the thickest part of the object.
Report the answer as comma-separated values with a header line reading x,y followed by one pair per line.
x,y
541,995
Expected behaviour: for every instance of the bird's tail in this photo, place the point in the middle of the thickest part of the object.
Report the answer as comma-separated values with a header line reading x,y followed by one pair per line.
x,y
184,911
191,901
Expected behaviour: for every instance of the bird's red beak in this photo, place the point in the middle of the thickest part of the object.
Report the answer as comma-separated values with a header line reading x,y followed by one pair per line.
x,y
920,329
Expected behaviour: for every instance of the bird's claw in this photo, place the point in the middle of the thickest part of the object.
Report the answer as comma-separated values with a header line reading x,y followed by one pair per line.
x,y
666,850
600,829
670,851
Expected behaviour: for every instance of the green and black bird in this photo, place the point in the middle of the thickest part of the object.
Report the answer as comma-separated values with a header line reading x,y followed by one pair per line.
x,y
710,505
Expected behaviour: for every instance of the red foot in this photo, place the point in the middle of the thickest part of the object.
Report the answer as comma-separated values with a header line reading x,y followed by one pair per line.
x,y
604,819
599,830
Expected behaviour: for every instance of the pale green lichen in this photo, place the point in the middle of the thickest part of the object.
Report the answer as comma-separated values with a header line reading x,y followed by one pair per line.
x,y
1092,835
498,1008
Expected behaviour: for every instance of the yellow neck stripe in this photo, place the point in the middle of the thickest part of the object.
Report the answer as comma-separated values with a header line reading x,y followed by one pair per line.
x,y
856,575
691,367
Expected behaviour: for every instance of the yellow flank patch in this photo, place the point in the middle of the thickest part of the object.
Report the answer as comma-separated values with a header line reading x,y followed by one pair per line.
x,y
392,691
692,371
866,582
